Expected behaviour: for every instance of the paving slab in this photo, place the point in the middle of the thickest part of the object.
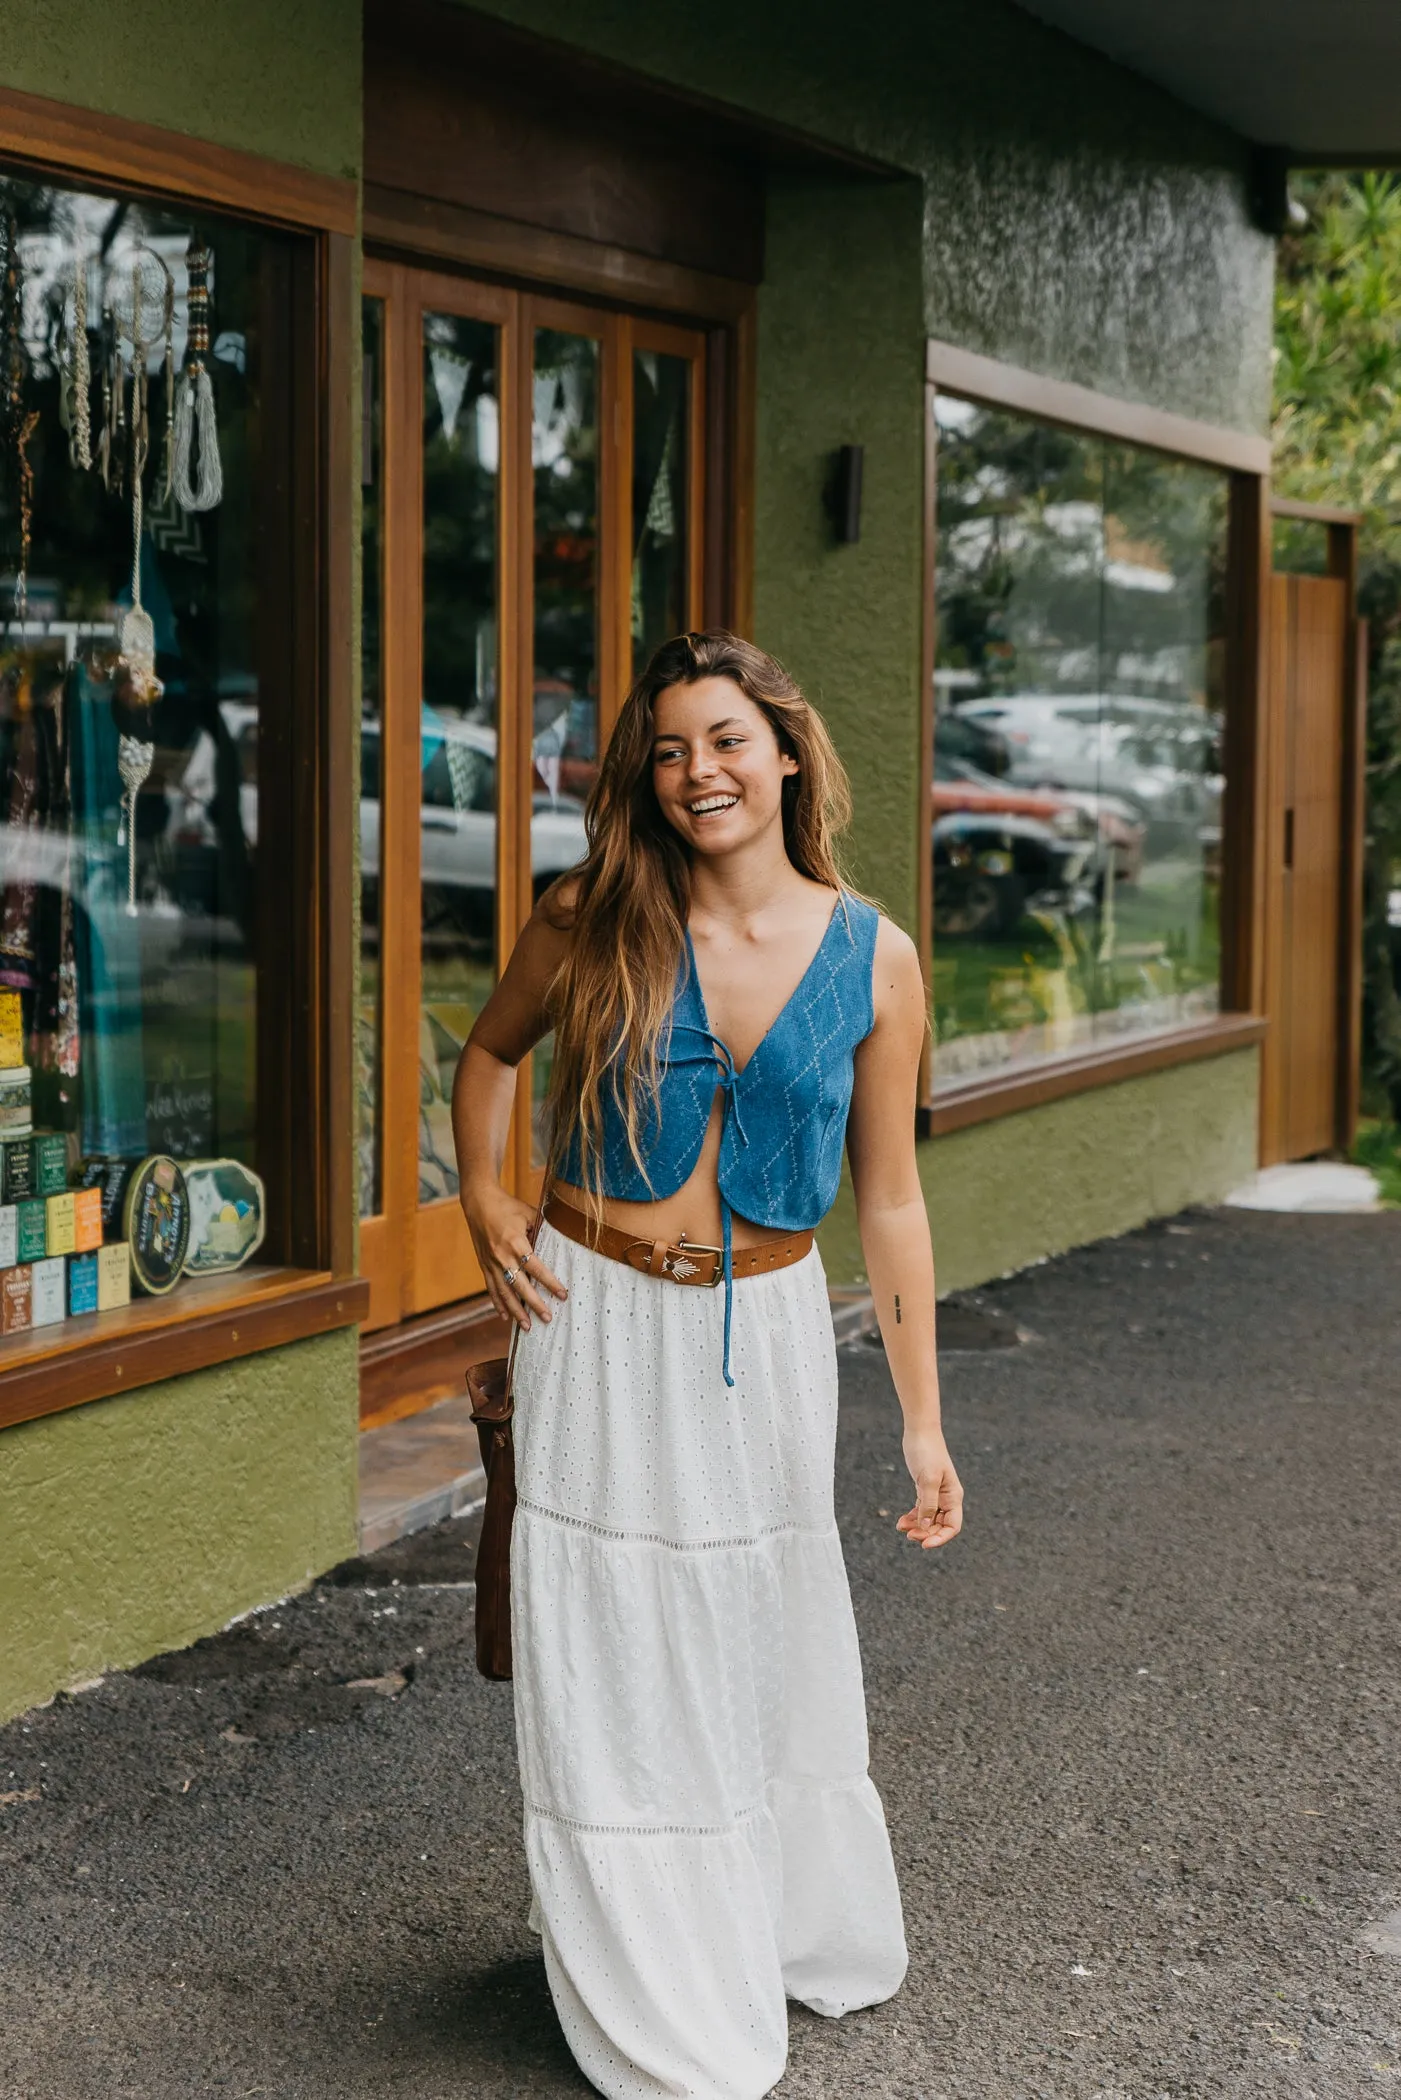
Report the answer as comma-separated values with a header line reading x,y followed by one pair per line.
x,y
1136,1733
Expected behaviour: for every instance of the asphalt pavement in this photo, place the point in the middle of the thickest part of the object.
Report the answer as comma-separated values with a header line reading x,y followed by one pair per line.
x,y
1137,1734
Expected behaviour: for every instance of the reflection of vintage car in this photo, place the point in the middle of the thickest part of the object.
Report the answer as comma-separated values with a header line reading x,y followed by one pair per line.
x,y
1000,851
1161,758
457,815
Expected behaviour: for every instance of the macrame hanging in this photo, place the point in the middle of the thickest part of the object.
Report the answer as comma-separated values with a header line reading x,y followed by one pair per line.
x,y
75,389
17,422
198,478
141,307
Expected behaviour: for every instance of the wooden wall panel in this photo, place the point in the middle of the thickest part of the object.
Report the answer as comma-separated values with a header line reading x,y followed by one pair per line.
x,y
463,110
1311,791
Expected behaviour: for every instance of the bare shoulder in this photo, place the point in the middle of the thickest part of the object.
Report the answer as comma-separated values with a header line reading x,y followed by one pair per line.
x,y
557,907
897,978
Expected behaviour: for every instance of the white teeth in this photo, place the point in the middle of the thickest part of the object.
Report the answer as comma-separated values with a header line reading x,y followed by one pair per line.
x,y
713,802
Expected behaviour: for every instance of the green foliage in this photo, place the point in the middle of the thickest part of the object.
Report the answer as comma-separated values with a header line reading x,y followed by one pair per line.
x,y
1337,439
1378,1146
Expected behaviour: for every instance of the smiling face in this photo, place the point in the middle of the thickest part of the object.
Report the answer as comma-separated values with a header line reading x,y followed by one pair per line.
x,y
717,766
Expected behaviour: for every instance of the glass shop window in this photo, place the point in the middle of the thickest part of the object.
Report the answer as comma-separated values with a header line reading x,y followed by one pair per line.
x,y
1077,795
133,499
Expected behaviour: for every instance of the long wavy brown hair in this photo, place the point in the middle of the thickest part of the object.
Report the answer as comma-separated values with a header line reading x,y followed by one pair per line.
x,y
611,999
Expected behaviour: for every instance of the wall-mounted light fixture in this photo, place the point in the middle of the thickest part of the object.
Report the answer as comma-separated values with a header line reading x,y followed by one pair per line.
x,y
843,493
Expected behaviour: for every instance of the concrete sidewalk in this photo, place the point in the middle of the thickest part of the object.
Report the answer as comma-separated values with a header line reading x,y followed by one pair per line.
x,y
1137,1735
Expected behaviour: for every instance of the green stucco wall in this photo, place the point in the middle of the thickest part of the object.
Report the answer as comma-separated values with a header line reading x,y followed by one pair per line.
x,y
1004,1194
268,78
840,360
142,1522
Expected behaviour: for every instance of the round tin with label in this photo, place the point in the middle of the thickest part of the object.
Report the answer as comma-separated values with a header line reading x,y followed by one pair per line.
x,y
156,1220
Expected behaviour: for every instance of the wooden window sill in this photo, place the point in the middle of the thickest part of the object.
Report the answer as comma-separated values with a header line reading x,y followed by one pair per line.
x,y
209,1320
1031,1086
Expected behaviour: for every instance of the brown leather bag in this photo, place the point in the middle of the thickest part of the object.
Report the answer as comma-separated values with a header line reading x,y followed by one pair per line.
x,y
493,1406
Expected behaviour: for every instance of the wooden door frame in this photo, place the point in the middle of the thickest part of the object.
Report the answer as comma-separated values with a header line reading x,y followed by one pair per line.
x,y
406,1246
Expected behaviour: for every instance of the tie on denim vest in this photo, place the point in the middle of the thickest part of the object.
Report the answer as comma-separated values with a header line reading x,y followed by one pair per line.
x,y
784,1114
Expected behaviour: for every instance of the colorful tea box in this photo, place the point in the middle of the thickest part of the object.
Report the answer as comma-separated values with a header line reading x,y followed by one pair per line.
x,y
31,1230
58,1224
50,1162
82,1284
11,1031
16,1300
15,1112
113,1276
9,1236
48,1293
16,1170
109,1177
87,1220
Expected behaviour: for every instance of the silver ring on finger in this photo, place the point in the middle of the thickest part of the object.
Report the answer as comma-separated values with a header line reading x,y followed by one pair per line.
x,y
508,1276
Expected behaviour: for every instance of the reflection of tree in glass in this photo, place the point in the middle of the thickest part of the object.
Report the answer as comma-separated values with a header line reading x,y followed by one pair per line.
x,y
1069,564
460,460
1019,551
564,445
660,388
1165,575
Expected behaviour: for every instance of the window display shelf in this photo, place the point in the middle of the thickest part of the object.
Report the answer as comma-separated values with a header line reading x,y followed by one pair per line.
x,y
205,1321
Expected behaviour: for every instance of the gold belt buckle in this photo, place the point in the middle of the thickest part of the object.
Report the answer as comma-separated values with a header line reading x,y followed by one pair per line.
x,y
677,1263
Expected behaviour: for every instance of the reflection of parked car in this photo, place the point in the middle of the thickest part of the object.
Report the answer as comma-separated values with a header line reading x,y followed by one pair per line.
x,y
1162,759
979,743
458,820
1000,851
1117,833
457,814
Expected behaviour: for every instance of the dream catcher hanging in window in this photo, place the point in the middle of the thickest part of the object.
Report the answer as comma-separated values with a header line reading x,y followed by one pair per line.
x,y
140,314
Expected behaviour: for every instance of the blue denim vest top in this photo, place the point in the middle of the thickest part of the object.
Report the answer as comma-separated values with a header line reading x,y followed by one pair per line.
x,y
784,1115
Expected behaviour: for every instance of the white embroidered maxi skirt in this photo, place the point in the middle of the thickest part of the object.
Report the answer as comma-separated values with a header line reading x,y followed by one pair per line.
x,y
702,1835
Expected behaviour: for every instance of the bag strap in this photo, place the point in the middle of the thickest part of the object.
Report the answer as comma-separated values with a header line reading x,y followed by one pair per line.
x,y
515,1325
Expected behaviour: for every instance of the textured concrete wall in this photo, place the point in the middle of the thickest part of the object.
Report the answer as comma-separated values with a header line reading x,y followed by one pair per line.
x,y
142,1522
269,78
1077,220
1004,1194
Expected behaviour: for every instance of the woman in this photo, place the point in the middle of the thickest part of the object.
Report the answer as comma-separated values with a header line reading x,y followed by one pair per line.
x,y
702,1836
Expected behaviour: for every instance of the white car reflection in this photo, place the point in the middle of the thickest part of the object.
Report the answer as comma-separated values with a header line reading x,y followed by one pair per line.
x,y
1160,758
457,813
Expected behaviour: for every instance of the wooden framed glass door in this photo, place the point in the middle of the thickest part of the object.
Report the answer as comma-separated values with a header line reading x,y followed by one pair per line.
x,y
533,480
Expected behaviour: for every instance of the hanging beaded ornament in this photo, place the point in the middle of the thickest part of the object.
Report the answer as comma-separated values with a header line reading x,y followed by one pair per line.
x,y
17,423
141,306
141,302
135,758
198,481
75,385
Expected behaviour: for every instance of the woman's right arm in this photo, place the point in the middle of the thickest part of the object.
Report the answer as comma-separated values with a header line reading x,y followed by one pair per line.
x,y
513,1021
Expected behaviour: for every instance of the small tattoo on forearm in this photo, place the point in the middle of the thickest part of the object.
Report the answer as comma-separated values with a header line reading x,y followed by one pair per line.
x,y
897,1311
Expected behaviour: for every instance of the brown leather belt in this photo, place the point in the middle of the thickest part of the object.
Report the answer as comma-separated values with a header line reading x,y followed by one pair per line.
x,y
684,1261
